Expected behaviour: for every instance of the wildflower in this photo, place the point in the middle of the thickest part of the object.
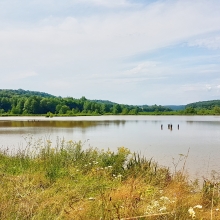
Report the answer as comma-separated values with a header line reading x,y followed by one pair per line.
x,y
162,209
191,212
155,204
198,206
165,199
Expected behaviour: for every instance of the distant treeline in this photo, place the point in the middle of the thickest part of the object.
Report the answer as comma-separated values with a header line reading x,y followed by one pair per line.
x,y
205,104
25,102
22,102
203,108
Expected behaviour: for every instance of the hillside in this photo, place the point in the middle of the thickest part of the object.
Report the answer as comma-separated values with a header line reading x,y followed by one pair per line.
x,y
204,104
176,107
104,102
20,92
25,102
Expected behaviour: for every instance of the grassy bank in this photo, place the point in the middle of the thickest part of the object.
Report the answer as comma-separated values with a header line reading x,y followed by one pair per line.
x,y
63,180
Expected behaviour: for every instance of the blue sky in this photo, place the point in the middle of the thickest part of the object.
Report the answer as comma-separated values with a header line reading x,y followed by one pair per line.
x,y
132,52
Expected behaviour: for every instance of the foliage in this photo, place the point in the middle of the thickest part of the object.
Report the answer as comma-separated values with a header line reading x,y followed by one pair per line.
x,y
21,102
20,92
205,104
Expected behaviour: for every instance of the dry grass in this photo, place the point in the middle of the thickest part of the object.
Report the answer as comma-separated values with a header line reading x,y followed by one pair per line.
x,y
68,182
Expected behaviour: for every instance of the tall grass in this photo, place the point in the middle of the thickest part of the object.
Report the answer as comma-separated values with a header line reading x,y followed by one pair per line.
x,y
63,180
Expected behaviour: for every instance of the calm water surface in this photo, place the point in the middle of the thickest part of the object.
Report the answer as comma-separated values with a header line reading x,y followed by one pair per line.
x,y
138,133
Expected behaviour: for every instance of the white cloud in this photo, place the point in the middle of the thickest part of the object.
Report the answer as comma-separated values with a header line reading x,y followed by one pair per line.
x,y
106,3
122,34
20,75
141,68
210,42
208,87
58,84
95,46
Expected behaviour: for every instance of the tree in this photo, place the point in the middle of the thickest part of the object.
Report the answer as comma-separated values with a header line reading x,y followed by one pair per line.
x,y
5,104
133,111
124,111
87,106
64,109
216,110
48,105
190,111
32,105
103,108
116,109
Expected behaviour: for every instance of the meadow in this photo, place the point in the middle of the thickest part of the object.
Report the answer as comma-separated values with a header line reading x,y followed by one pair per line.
x,y
63,180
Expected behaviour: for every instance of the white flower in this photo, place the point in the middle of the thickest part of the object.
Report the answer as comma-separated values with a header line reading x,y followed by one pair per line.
x,y
191,212
155,204
198,206
162,209
165,199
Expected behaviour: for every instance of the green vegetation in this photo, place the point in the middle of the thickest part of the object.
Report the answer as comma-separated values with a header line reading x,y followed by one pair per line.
x,y
205,104
65,181
204,108
21,102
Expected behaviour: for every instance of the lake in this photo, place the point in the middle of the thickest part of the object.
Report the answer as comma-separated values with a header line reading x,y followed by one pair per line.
x,y
198,134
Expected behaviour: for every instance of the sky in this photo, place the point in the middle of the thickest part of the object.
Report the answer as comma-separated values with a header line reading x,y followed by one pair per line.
x,y
127,51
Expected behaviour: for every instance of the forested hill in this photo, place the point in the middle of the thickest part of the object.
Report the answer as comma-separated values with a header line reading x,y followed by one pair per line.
x,y
176,107
21,102
205,104
20,92
104,102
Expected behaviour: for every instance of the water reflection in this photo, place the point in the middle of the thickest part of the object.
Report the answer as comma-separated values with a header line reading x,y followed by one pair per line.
x,y
63,124
138,133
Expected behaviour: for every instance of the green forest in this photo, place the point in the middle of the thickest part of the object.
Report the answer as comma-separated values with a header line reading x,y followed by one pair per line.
x,y
22,102
25,102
